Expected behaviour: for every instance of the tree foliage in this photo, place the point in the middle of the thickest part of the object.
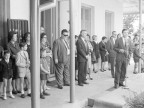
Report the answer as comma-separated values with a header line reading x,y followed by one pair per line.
x,y
128,21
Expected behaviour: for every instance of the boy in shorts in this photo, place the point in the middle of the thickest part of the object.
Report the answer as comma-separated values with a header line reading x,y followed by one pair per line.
x,y
23,64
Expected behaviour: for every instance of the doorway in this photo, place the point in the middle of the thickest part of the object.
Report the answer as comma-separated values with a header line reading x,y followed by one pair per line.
x,y
86,19
109,23
48,21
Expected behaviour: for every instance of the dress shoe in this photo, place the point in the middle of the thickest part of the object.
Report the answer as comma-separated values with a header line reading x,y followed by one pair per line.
x,y
116,86
101,70
91,78
46,94
29,94
18,91
60,87
66,84
42,96
22,95
85,82
14,92
80,84
121,84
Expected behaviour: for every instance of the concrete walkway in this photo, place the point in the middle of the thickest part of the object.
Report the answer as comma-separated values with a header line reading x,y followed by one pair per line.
x,y
101,84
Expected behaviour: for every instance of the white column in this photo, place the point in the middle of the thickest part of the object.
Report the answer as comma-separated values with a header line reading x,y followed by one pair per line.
x,y
72,50
35,51
140,29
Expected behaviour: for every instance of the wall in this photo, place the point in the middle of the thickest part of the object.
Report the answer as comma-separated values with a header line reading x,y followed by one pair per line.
x,y
20,9
98,15
100,6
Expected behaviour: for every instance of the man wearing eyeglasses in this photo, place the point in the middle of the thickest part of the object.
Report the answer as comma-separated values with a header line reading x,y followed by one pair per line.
x,y
61,53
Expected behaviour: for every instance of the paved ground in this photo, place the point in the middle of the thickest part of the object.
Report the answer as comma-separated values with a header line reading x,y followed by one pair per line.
x,y
60,98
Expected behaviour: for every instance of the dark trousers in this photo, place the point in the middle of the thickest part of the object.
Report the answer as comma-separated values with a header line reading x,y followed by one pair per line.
x,y
112,62
62,73
120,72
82,70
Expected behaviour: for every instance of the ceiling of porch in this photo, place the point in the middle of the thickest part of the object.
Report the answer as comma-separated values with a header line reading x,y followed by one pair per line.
x,y
131,6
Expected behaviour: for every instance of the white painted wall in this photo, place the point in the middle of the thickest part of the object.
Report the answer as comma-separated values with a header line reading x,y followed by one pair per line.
x,y
100,6
20,9
98,17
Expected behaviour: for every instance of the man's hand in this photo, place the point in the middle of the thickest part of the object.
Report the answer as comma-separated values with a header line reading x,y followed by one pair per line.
x,y
122,50
56,61
87,57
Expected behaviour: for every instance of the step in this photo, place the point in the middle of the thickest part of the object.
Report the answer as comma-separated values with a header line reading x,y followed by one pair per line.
x,y
115,98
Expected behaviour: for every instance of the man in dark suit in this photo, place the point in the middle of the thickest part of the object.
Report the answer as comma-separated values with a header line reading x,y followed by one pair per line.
x,y
111,51
61,52
82,57
123,50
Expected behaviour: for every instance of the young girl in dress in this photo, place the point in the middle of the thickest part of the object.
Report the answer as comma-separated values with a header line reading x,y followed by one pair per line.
x,y
23,64
136,57
7,73
44,71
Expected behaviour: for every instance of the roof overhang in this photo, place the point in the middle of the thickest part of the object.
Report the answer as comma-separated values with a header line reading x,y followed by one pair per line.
x,y
131,6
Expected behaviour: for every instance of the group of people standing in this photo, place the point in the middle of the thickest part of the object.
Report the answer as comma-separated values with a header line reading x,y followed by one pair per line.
x,y
116,51
14,66
15,60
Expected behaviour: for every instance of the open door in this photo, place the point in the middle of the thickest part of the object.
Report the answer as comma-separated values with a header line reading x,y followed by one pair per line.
x,y
48,21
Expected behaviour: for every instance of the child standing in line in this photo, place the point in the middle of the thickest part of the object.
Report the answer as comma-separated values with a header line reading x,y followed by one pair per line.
x,y
136,57
7,73
1,77
44,70
23,64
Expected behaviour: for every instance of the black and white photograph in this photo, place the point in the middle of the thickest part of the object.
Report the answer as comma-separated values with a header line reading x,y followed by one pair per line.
x,y
71,53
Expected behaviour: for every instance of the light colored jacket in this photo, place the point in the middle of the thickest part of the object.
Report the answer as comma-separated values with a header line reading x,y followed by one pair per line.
x,y
22,60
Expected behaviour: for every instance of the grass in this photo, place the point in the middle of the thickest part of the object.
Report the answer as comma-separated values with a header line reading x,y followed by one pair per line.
x,y
137,101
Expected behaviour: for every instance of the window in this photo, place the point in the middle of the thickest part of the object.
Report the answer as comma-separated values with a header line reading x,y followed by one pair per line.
x,y
86,19
109,23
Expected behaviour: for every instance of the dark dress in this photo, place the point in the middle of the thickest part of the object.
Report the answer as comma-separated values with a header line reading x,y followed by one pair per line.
x,y
96,52
1,56
136,55
14,49
102,48
6,69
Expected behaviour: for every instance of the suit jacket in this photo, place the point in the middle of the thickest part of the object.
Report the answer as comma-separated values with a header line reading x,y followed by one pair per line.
x,y
82,51
60,51
120,45
110,48
22,60
6,69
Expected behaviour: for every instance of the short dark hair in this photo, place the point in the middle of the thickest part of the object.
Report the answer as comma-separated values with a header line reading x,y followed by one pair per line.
x,y
76,36
104,37
22,44
82,31
113,32
6,52
64,30
124,30
10,35
25,36
42,35
94,36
